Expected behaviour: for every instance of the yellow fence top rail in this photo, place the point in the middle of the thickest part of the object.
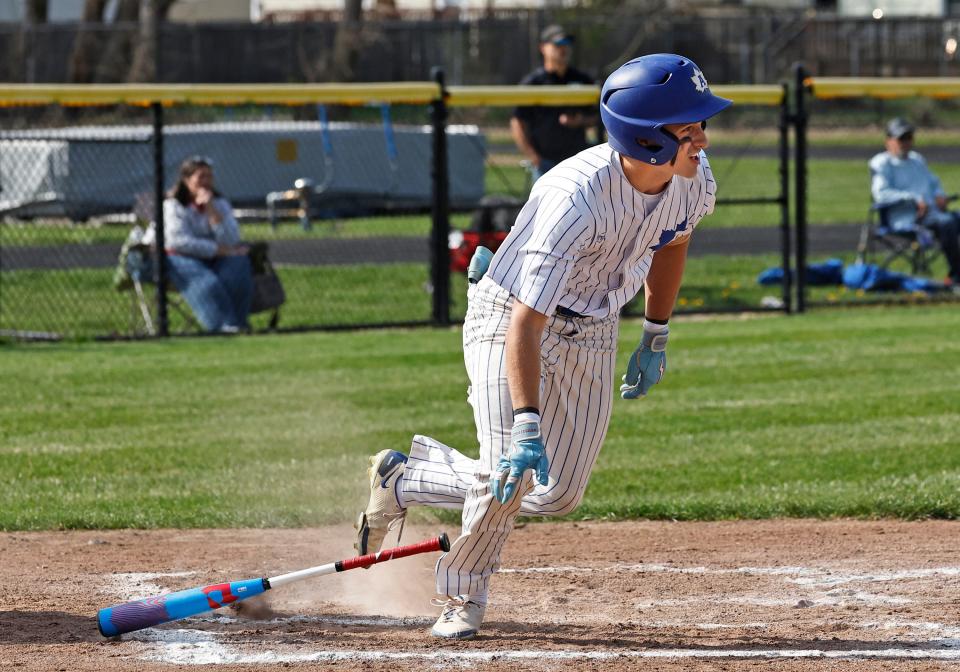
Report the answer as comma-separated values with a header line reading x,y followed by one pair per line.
x,y
509,96
750,94
884,87
72,95
217,94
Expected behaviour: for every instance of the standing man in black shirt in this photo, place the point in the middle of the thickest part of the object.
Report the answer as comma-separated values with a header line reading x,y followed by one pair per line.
x,y
548,135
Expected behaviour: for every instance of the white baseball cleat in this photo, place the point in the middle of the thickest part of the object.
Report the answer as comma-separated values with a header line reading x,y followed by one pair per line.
x,y
383,511
460,619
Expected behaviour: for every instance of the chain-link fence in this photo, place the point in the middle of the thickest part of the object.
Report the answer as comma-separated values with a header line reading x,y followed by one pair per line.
x,y
352,202
68,184
854,252
347,199
338,196
344,196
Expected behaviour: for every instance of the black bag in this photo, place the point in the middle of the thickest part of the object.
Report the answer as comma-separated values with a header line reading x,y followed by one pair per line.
x,y
268,293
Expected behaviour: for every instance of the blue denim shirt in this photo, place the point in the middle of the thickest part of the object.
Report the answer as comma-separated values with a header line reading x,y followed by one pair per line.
x,y
188,231
905,181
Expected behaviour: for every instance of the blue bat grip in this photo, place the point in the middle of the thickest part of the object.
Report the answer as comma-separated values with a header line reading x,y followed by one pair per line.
x,y
140,614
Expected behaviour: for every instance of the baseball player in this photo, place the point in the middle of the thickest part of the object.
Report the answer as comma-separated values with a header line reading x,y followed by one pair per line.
x,y
540,334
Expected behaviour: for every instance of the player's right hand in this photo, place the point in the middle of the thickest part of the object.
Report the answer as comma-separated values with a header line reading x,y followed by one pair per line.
x,y
647,365
526,452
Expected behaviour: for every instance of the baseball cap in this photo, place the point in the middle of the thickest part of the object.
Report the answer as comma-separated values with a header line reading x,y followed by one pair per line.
x,y
555,35
899,127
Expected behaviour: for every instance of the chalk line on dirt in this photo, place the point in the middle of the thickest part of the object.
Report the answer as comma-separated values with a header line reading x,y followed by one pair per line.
x,y
795,574
194,647
827,599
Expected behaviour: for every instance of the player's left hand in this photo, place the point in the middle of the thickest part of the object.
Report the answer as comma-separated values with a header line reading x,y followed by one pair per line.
x,y
526,452
647,364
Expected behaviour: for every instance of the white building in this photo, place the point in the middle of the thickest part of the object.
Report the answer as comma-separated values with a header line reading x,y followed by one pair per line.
x,y
879,9
65,11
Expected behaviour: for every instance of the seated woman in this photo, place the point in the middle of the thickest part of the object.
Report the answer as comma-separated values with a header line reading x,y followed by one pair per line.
x,y
208,265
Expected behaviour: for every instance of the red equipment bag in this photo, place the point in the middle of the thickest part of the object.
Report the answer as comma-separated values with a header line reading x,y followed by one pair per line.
x,y
489,226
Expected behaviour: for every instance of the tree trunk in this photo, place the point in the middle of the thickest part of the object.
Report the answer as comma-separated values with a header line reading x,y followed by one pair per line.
x,y
143,65
346,45
83,60
352,11
36,11
114,62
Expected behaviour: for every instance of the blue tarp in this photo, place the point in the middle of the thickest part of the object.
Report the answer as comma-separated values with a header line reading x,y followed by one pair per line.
x,y
829,272
868,277
871,277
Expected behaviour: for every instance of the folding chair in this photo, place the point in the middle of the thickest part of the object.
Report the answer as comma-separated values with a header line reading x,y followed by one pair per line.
x,y
134,270
882,245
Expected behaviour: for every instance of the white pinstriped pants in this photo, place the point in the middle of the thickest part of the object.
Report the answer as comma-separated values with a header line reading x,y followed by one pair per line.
x,y
577,360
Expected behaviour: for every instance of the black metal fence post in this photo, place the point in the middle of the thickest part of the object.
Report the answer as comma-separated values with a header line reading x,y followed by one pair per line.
x,y
800,181
163,324
440,210
784,128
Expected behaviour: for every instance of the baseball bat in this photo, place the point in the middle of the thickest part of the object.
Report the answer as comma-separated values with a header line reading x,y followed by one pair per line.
x,y
138,614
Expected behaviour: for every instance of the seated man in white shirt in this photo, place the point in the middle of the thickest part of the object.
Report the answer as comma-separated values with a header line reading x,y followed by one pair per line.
x,y
901,180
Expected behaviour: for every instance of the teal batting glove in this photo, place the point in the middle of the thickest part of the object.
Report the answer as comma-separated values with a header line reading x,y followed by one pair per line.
x,y
647,363
526,452
479,264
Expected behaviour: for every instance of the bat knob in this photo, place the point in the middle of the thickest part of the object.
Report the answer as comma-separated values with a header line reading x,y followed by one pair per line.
x,y
444,542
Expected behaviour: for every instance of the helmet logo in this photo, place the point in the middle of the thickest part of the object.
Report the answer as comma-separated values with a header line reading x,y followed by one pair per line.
x,y
699,80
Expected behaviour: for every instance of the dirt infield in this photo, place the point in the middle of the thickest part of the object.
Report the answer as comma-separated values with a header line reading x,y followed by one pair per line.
x,y
794,595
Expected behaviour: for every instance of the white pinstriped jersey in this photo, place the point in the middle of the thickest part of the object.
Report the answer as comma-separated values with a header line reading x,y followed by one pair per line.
x,y
586,238
585,241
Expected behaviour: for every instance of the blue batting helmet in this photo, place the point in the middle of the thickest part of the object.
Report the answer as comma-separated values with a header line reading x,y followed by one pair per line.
x,y
643,95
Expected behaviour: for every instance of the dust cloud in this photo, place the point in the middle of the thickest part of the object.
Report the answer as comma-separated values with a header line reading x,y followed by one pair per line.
x,y
399,588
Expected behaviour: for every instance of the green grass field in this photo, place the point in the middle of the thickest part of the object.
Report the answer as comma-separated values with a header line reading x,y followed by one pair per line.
x,y
834,413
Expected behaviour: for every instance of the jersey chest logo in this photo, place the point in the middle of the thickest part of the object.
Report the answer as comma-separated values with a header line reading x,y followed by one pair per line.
x,y
667,235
